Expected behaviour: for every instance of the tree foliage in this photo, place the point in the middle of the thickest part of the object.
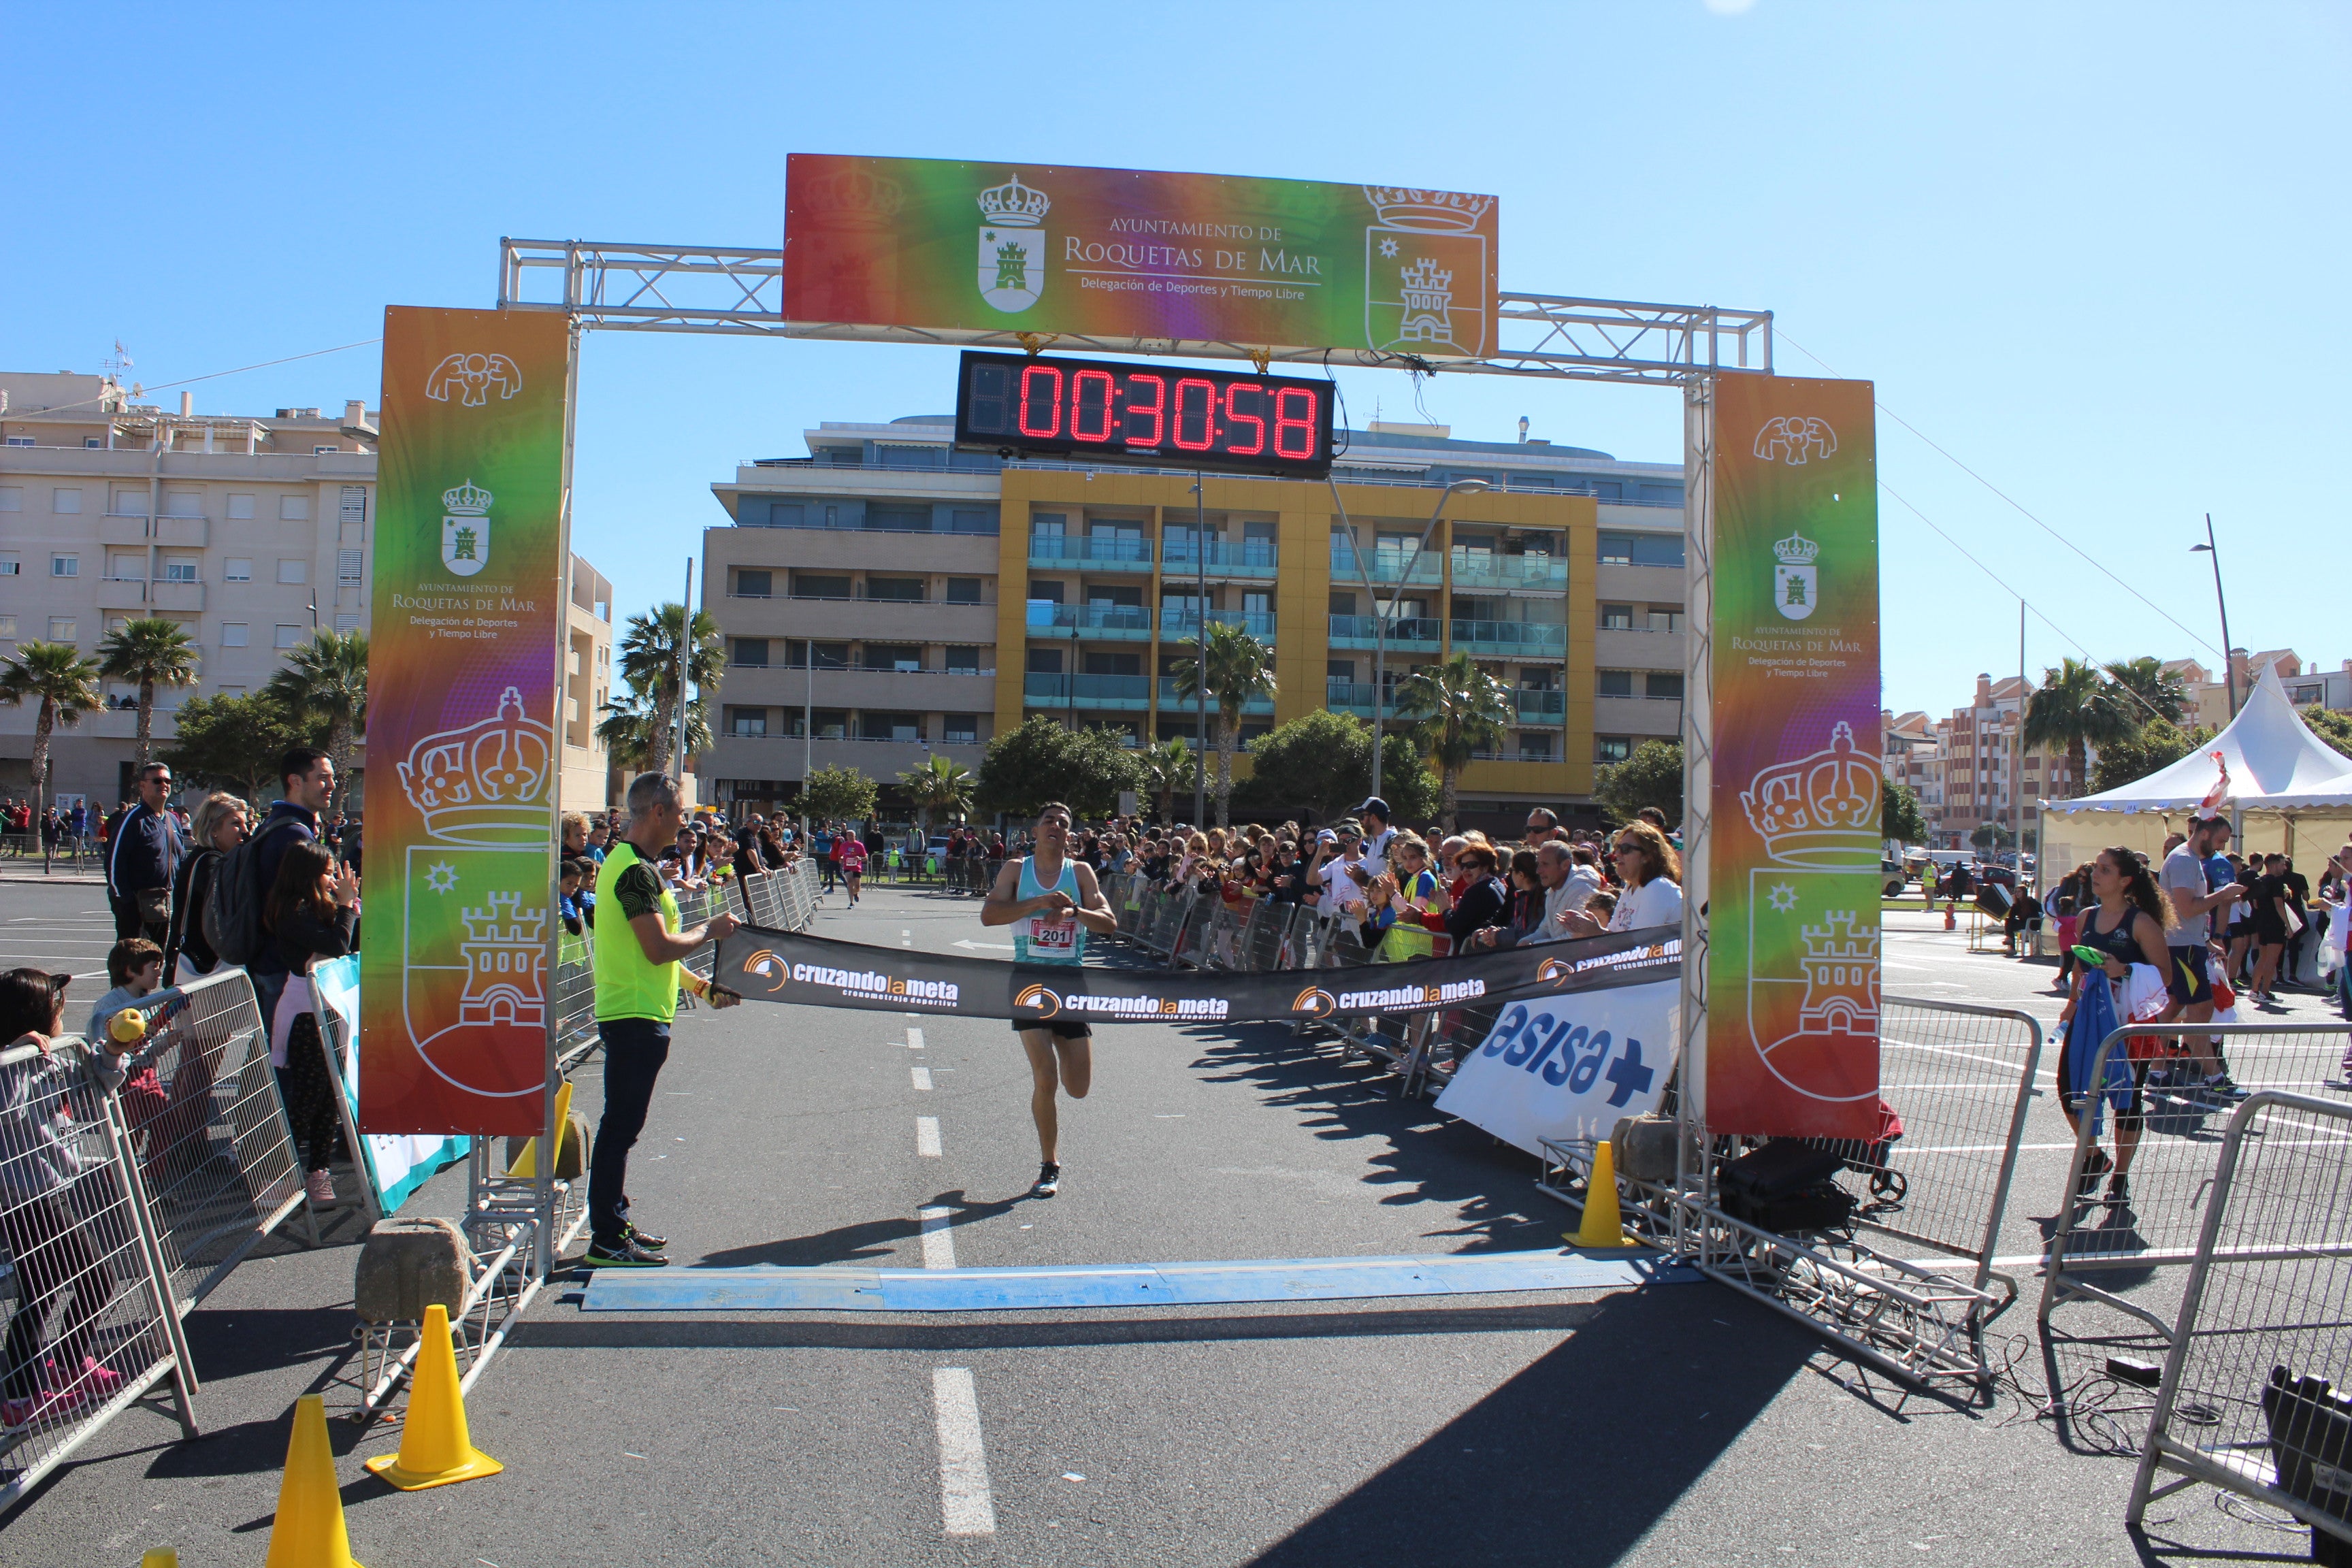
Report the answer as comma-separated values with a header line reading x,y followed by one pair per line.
x,y
839,793
2076,709
1456,711
2334,728
1240,670
326,679
234,742
148,652
60,684
1167,768
1653,775
649,659
940,788
1042,760
1992,836
2159,743
1900,817
1322,763
2161,695
628,726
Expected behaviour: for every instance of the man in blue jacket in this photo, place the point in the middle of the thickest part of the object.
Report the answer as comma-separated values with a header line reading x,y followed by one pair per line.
x,y
140,858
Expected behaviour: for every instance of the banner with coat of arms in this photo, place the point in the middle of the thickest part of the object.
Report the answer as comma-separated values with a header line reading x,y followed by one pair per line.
x,y
1792,1045
464,686
1122,254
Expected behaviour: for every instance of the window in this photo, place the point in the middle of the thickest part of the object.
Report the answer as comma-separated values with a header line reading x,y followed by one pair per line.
x,y
898,519
129,501
750,652
1048,524
2303,694
1612,748
124,567
1343,604
238,569
1613,683
1616,617
179,571
781,514
829,723
11,563
972,520
751,584
817,585
63,628
889,727
1535,748
1045,661
1641,548
348,565
355,504
963,590
962,660
317,451
20,440
1664,684
65,565
291,570
1665,618
908,590
289,637
893,655
184,503
65,503
293,508
960,729
347,622
234,634
7,629
751,724
12,498
239,506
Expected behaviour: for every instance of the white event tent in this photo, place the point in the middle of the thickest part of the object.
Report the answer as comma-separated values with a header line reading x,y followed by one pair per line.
x,y
2286,782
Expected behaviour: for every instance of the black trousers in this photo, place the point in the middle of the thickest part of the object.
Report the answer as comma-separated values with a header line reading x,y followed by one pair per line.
x,y
634,1051
128,922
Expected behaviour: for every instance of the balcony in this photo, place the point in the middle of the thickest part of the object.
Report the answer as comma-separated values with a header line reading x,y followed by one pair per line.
x,y
1250,558
169,595
1630,647
1121,693
903,690
185,532
1183,626
1511,639
1411,634
1169,703
123,594
1387,566
122,528
839,620
779,756
1479,571
1097,623
1549,709
1098,555
1355,697
1657,584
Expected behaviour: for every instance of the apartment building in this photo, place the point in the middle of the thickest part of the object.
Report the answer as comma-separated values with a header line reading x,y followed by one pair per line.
x,y
884,599
1977,770
2306,685
251,532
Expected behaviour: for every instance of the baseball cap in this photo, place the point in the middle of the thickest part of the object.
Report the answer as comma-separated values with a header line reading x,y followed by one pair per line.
x,y
1374,805
1327,837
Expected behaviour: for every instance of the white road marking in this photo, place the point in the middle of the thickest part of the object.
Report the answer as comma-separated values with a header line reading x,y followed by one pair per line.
x,y
922,1079
939,1239
914,1040
998,946
927,1136
965,1506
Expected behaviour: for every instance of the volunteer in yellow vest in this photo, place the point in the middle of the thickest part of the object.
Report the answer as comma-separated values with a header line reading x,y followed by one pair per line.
x,y
1051,901
1414,891
638,982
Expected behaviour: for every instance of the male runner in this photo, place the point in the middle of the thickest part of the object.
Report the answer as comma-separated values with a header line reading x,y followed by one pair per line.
x,y
2196,878
637,997
1051,900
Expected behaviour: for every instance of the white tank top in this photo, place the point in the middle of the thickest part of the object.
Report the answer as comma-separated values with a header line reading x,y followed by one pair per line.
x,y
1042,937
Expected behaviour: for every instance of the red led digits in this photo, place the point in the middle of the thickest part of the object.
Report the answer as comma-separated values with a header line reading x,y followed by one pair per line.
x,y
1235,418
1157,409
1041,402
1090,400
1298,428
1200,421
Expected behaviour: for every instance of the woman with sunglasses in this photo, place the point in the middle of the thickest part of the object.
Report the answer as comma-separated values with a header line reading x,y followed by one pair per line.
x,y
1652,873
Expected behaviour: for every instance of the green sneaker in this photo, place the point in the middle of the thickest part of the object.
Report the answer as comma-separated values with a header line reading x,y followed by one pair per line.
x,y
623,1254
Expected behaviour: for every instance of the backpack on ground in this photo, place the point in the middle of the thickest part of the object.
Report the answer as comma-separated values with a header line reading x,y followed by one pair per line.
x,y
233,905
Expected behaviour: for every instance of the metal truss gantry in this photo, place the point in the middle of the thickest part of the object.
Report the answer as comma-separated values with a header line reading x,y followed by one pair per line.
x,y
726,288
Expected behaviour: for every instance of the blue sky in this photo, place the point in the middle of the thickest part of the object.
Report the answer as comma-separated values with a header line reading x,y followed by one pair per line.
x,y
2093,252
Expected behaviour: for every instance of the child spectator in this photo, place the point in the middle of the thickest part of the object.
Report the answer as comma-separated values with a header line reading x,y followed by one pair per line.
x,y
310,914
135,968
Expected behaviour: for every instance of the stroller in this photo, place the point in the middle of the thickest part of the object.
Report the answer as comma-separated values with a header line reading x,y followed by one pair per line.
x,y
1867,1157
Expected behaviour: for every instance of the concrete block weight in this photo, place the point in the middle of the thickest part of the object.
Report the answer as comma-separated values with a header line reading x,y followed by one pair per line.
x,y
408,1265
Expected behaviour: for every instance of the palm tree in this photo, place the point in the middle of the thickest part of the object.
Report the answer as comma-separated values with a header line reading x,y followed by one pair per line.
x,y
326,677
1456,709
55,675
1167,768
2165,694
941,785
632,729
649,664
2076,710
1241,671
150,652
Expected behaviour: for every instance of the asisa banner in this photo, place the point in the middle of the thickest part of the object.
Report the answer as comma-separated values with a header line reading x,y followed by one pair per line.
x,y
765,965
1567,1067
463,684
1122,254
1793,929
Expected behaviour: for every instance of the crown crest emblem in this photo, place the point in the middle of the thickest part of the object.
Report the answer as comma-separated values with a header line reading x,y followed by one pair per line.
x,y
1796,550
1822,810
1014,205
468,499
1432,211
484,783
856,197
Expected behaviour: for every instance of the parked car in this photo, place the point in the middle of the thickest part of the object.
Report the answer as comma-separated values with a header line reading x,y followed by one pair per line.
x,y
1892,878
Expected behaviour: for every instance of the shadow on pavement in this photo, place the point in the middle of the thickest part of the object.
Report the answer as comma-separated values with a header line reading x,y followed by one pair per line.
x,y
867,1241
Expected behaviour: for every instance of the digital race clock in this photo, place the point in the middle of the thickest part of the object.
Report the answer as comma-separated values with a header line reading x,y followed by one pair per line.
x,y
1175,417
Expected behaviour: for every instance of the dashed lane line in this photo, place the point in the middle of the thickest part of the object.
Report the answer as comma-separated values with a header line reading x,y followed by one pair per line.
x,y
927,1137
966,1506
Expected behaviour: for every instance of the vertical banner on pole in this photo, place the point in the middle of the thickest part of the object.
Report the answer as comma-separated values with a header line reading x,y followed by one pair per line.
x,y
463,685
1792,985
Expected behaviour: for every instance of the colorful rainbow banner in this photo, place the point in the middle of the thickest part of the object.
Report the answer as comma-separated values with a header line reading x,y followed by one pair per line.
x,y
1793,878
464,678
1125,253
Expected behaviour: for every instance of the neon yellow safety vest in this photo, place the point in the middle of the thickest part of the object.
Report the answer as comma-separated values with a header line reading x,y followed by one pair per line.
x,y
628,986
1409,938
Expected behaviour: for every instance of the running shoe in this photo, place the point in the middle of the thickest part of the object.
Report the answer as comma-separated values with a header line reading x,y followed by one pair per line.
x,y
321,1186
2118,1190
2220,1086
625,1253
98,1377
650,1243
2096,1165
1049,1180
16,1415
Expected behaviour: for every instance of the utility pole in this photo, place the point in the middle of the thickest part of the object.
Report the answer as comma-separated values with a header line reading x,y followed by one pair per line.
x,y
1381,618
684,657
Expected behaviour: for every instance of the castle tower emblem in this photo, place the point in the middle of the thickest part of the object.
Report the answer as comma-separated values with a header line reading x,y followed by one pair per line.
x,y
506,964
1428,271
1013,242
465,528
1428,291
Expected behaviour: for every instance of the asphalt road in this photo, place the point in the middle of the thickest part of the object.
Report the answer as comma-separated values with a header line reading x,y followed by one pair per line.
x,y
1664,1424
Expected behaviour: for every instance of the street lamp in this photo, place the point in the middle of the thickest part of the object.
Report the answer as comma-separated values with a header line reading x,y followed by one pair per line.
x,y
1380,620
2229,670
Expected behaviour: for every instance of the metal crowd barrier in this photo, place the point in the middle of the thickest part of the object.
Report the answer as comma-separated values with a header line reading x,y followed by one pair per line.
x,y
2256,1394
92,1328
2116,1273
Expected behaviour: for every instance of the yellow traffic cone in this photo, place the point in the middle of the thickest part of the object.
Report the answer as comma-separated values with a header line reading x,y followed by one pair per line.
x,y
526,1164
309,1531
434,1446
1602,1226
159,1557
